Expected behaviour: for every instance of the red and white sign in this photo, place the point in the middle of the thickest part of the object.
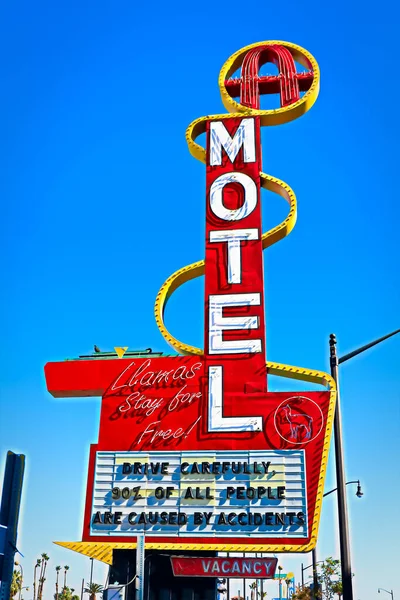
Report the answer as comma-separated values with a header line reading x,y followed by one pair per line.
x,y
250,568
258,454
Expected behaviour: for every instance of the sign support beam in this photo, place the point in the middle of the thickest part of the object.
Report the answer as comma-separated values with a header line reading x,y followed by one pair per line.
x,y
140,567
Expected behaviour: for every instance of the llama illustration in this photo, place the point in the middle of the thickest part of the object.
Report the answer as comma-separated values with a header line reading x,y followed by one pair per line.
x,y
300,423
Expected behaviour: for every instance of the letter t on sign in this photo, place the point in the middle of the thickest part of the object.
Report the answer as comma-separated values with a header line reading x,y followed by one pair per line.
x,y
234,289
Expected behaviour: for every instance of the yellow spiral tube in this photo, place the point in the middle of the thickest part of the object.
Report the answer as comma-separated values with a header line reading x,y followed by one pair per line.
x,y
196,269
267,117
273,184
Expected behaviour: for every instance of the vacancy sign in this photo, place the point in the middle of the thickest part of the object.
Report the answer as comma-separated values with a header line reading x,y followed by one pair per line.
x,y
250,568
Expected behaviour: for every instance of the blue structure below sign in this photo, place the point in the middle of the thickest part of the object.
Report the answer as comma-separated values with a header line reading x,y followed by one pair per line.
x,y
9,512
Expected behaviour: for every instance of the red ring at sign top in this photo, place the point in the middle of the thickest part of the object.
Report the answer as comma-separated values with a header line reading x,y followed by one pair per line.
x,y
289,83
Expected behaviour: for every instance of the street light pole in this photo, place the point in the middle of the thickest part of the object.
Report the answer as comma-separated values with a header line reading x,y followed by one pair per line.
x,y
340,475
383,590
280,582
313,565
341,481
359,494
91,572
343,359
315,572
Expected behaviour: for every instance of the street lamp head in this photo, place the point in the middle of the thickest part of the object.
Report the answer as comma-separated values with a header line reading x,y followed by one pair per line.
x,y
359,492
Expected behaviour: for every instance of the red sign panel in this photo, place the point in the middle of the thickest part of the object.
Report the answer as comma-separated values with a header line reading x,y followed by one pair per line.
x,y
261,484
250,568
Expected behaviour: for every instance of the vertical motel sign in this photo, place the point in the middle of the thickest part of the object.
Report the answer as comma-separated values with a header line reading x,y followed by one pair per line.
x,y
193,450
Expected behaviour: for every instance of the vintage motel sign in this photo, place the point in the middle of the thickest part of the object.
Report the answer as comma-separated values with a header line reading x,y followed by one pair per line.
x,y
193,451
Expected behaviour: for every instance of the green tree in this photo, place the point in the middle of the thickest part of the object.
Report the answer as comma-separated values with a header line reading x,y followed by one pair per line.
x,y
337,588
93,589
16,583
329,577
65,594
302,593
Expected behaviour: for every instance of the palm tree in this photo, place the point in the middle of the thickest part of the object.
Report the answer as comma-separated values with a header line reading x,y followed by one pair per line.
x,y
93,589
253,587
42,579
256,593
38,562
66,568
58,569
16,583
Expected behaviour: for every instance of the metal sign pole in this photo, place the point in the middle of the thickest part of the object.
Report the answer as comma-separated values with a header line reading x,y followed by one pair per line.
x,y
140,546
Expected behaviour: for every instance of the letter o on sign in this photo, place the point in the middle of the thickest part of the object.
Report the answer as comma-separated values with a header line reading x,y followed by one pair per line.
x,y
159,493
216,196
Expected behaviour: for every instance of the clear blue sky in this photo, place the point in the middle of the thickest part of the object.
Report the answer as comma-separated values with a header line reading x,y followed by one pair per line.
x,y
90,230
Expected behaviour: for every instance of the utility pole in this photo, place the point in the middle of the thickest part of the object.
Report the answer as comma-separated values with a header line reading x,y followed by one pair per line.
x,y
335,361
341,481
315,572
